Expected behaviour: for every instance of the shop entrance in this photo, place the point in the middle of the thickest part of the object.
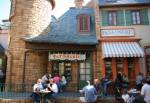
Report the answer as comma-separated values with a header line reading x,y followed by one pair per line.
x,y
77,72
69,70
62,68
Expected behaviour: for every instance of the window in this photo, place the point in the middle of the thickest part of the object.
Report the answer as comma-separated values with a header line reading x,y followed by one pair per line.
x,y
147,50
136,19
120,64
131,71
63,67
85,71
112,18
108,66
83,23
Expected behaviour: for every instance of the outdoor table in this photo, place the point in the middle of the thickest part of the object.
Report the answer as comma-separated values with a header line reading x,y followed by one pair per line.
x,y
134,93
42,94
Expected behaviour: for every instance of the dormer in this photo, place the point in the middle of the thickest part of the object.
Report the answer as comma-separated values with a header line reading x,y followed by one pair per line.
x,y
83,23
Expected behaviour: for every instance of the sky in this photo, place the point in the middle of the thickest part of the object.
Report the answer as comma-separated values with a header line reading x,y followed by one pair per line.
x,y
61,7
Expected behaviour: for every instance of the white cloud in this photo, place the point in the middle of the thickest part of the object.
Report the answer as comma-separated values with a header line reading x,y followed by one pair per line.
x,y
63,5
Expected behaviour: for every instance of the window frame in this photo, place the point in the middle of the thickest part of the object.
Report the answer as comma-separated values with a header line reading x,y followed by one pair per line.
x,y
147,56
84,29
136,21
114,23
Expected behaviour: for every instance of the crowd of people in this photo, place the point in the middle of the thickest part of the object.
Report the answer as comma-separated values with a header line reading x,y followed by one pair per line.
x,y
54,84
120,88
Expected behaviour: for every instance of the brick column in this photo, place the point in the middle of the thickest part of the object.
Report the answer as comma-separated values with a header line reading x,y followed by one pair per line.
x,y
137,66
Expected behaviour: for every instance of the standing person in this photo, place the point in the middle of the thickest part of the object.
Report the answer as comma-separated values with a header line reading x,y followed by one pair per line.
x,y
118,85
2,79
145,91
90,94
125,81
97,85
105,82
139,79
45,78
36,88
63,82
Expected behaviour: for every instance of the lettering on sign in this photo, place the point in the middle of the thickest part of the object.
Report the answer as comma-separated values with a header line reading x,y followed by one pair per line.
x,y
117,32
67,56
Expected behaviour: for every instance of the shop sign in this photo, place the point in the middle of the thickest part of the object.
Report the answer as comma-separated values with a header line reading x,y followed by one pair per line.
x,y
117,32
67,56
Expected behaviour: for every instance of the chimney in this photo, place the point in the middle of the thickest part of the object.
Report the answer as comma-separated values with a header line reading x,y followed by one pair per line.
x,y
78,3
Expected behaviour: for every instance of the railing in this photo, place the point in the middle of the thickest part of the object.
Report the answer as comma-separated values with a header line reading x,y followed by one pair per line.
x,y
12,91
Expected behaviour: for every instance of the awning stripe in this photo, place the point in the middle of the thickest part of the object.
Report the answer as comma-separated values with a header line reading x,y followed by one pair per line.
x,y
122,49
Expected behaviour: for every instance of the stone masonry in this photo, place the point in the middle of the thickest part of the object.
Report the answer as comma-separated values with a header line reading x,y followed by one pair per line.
x,y
29,18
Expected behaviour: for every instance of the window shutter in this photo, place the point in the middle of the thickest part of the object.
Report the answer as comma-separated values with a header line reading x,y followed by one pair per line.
x,y
104,15
128,17
120,18
144,16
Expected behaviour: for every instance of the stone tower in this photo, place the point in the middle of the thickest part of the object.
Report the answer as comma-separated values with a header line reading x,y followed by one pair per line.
x,y
28,17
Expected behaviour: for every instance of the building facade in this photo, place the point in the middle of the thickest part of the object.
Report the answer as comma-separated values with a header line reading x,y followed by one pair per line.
x,y
83,44
123,31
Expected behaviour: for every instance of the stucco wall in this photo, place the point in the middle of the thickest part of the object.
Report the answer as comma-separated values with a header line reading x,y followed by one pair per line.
x,y
144,32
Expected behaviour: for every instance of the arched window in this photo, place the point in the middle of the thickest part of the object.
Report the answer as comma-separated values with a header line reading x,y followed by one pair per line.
x,y
83,23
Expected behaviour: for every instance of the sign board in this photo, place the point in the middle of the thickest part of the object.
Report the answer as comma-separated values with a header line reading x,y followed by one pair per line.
x,y
117,32
67,56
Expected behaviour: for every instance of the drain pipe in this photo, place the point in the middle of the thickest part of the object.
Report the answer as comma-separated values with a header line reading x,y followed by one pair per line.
x,y
24,65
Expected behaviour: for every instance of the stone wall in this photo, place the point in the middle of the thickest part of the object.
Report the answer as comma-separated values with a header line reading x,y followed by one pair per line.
x,y
31,17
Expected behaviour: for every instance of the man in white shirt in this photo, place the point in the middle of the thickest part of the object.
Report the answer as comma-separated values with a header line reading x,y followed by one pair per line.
x,y
36,88
145,91
52,86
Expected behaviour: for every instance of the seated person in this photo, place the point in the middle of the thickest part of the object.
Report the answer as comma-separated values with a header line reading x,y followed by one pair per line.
x,y
125,96
52,86
57,80
36,88
45,78
89,93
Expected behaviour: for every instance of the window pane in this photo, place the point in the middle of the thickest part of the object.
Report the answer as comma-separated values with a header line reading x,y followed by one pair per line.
x,y
88,65
0,63
133,18
88,71
82,65
82,71
82,77
136,17
147,50
88,77
112,18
